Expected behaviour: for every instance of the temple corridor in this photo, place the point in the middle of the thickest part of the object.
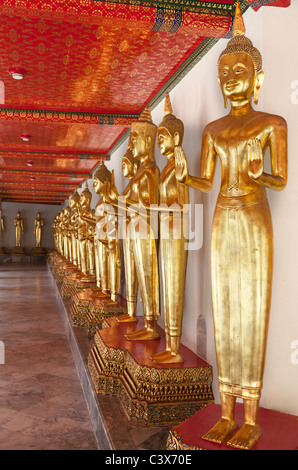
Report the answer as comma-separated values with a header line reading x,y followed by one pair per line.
x,y
42,404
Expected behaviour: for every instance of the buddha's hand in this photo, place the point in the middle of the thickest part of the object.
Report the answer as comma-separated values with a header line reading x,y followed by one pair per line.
x,y
180,164
255,159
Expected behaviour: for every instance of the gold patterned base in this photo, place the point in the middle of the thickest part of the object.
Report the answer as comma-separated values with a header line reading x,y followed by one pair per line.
x,y
91,306
98,314
38,251
75,282
150,393
18,250
174,442
78,313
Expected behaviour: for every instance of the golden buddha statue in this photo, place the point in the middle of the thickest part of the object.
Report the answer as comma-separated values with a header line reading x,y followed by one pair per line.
x,y
143,193
66,234
130,166
101,245
74,203
90,220
174,199
38,224
107,231
242,238
18,223
54,229
86,245
59,232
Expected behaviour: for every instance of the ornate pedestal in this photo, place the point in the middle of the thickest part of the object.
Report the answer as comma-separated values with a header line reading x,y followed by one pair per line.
x,y
58,265
150,393
38,251
82,304
75,281
279,430
18,250
102,310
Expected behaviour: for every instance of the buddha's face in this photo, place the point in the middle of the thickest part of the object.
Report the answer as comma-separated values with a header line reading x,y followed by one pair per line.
x,y
237,76
137,144
82,199
165,141
97,185
127,168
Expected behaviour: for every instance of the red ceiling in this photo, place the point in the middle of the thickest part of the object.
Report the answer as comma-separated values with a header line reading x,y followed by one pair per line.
x,y
91,68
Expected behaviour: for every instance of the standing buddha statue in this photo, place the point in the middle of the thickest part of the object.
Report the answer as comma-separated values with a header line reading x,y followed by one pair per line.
x,y
174,199
18,223
242,236
143,193
86,245
130,166
74,203
38,224
107,230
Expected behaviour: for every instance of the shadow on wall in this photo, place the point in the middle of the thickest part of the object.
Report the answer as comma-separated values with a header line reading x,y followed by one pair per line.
x,y
201,349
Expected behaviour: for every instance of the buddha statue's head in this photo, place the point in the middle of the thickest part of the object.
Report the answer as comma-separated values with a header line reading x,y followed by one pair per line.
x,y
100,177
240,72
85,197
18,215
129,164
170,130
142,136
38,215
74,199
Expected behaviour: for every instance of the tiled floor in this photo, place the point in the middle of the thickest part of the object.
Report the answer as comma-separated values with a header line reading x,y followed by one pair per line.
x,y
42,404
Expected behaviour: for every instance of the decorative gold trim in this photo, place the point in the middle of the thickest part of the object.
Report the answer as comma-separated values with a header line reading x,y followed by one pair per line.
x,y
149,395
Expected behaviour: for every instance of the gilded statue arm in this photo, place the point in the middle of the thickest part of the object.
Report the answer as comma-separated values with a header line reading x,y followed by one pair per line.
x,y
123,204
208,164
278,153
86,218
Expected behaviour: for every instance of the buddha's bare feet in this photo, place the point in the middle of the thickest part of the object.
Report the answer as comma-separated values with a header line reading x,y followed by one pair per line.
x,y
164,353
127,318
167,357
247,435
143,334
98,293
221,431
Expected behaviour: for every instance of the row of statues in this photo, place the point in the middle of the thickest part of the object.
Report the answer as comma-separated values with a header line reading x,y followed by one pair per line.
x,y
241,241
37,230
19,228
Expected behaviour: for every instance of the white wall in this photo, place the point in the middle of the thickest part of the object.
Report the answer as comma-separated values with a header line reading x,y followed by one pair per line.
x,y
28,213
281,66
197,100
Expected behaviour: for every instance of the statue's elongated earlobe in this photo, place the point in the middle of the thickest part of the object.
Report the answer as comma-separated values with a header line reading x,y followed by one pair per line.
x,y
258,85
